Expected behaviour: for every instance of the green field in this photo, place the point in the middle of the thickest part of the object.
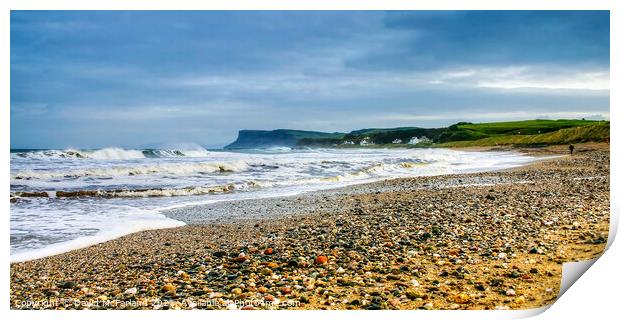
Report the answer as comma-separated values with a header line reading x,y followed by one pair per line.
x,y
465,134
597,131
463,131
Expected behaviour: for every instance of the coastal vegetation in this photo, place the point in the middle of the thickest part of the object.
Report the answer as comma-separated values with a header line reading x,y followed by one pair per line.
x,y
462,134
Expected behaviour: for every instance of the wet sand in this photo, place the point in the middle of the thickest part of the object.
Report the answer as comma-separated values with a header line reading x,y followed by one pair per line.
x,y
494,240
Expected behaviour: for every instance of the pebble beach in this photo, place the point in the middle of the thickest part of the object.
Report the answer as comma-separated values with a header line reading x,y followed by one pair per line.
x,y
493,240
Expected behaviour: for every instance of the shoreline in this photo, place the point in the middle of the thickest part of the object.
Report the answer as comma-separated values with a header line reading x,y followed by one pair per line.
x,y
380,202
250,206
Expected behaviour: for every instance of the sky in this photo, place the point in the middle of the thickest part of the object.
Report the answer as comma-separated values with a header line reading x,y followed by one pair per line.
x,y
90,79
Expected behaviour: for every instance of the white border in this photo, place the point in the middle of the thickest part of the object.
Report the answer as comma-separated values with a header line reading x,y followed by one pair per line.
x,y
595,294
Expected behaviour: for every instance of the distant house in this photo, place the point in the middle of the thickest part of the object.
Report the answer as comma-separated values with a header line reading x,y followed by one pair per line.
x,y
397,141
416,140
366,142
348,142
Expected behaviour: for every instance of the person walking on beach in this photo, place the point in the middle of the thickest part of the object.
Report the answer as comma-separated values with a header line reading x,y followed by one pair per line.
x,y
571,148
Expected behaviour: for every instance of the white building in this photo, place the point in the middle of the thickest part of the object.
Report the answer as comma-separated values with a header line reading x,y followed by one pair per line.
x,y
397,141
416,140
366,142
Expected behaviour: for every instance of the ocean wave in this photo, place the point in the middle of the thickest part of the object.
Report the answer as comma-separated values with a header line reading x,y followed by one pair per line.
x,y
112,153
180,169
366,173
124,193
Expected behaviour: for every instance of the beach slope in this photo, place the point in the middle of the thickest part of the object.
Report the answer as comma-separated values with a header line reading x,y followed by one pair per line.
x,y
494,240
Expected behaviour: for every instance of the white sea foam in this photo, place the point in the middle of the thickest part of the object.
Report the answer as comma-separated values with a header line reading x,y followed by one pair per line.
x,y
179,169
113,153
138,222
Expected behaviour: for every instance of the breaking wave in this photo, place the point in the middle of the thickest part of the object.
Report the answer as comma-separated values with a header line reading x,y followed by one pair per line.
x,y
112,153
179,169
125,193
366,173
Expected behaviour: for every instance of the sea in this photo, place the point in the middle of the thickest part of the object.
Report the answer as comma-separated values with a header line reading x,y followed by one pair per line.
x,y
68,199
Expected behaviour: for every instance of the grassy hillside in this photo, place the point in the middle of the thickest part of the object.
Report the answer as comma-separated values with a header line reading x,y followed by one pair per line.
x,y
599,131
377,136
464,131
300,134
462,134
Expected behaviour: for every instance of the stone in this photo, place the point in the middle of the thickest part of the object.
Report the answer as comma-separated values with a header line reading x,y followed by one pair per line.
x,y
68,285
510,292
268,251
168,287
231,306
394,302
320,260
293,263
131,291
219,254
428,306
286,290
240,258
461,298
413,295
52,293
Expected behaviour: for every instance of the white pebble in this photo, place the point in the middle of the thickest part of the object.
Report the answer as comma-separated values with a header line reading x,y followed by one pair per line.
x,y
131,291
231,306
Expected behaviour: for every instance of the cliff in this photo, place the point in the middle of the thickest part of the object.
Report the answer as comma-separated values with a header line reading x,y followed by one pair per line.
x,y
248,139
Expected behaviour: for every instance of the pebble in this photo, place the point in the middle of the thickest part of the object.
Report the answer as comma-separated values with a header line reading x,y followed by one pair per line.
x,y
131,291
68,285
320,260
360,250
462,298
231,306
286,290
169,288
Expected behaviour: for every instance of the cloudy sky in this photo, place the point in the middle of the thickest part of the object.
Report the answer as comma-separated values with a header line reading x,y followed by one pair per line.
x,y
143,79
